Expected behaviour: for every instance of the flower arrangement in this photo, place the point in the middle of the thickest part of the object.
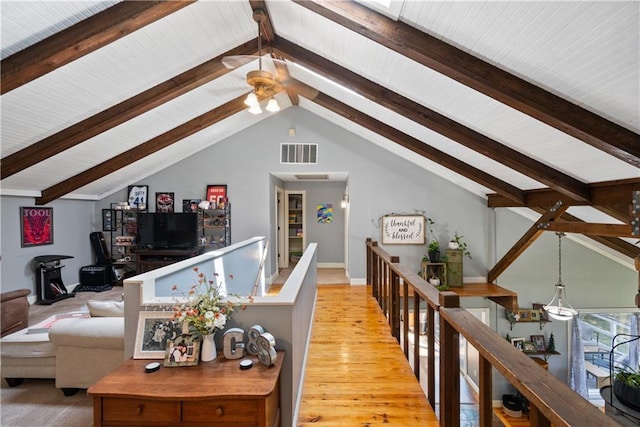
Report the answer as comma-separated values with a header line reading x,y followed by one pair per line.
x,y
206,310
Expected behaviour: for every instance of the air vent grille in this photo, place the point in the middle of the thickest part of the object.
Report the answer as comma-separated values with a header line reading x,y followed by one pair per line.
x,y
299,153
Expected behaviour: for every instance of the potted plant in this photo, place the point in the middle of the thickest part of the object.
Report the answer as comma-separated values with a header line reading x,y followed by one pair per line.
x,y
434,251
457,243
626,387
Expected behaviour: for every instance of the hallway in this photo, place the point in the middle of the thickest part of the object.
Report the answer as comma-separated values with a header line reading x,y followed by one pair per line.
x,y
356,373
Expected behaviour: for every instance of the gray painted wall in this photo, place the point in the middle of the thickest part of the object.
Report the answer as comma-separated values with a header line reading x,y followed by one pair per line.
x,y
73,220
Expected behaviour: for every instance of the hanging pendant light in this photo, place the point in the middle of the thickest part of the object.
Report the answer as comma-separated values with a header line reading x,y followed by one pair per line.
x,y
559,307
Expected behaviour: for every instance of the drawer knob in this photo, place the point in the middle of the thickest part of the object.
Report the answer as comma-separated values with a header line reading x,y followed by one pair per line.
x,y
139,410
220,411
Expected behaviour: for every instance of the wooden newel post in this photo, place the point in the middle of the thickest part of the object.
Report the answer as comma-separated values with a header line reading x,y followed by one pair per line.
x,y
449,365
369,261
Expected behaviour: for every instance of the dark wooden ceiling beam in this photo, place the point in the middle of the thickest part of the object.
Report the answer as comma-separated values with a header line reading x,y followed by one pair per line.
x,y
268,34
411,143
143,150
605,193
530,236
483,77
437,122
120,113
82,38
589,228
613,243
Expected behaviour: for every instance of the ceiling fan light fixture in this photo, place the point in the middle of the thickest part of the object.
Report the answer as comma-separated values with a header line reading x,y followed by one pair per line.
x,y
273,106
252,100
255,109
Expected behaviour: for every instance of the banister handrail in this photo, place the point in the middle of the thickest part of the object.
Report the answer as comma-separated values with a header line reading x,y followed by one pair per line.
x,y
551,400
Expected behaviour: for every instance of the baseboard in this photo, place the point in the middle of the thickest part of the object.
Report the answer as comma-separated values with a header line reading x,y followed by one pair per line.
x,y
358,281
330,265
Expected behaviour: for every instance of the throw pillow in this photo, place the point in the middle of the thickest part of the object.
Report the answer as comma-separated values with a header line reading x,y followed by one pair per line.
x,y
106,308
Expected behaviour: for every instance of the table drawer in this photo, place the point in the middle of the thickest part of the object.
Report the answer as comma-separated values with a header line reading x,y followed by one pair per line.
x,y
139,411
220,411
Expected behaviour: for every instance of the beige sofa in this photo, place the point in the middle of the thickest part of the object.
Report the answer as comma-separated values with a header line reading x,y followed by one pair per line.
x,y
88,348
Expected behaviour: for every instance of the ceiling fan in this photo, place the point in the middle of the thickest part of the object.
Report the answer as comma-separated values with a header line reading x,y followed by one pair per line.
x,y
265,84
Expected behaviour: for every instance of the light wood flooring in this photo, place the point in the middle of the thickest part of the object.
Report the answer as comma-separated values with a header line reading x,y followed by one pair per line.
x,y
356,374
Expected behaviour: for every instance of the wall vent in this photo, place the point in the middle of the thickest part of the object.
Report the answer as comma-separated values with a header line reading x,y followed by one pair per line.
x,y
299,154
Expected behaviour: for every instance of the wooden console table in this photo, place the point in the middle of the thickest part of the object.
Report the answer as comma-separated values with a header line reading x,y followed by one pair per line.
x,y
216,393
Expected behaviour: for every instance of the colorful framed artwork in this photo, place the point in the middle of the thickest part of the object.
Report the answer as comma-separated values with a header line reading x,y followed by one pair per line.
x,y
137,196
183,351
403,229
164,202
155,329
325,213
36,226
217,196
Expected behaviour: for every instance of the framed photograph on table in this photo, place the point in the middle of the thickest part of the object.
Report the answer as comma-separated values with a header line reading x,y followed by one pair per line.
x,y
155,329
183,351
36,226
217,196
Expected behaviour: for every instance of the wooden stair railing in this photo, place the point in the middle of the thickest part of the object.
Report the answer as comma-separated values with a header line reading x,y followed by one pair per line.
x,y
551,400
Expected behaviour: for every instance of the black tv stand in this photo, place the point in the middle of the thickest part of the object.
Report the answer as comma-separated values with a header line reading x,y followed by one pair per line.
x,y
49,286
150,259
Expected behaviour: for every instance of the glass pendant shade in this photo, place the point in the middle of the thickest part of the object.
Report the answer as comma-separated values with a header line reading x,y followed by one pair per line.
x,y
255,109
273,106
559,307
252,101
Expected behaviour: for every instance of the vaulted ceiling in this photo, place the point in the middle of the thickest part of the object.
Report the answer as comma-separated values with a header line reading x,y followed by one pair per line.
x,y
533,105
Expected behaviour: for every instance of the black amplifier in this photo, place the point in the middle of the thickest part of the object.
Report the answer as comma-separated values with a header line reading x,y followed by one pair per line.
x,y
95,276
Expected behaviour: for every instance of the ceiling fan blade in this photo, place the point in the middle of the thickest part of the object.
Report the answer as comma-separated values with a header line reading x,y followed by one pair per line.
x,y
237,61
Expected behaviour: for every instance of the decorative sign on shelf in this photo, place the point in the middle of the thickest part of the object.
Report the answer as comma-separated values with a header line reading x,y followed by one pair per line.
x,y
403,230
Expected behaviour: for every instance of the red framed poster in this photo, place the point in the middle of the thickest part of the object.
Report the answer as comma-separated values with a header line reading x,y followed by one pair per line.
x,y
36,226
217,196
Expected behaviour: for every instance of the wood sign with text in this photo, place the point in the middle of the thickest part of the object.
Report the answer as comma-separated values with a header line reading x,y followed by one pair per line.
x,y
403,230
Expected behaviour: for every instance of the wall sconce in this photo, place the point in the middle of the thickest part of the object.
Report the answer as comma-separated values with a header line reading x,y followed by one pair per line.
x,y
344,201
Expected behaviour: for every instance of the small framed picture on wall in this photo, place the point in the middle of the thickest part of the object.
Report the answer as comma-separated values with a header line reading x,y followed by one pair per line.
x,y
164,202
36,226
137,196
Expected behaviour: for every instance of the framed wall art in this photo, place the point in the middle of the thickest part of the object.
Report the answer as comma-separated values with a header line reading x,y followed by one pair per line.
x,y
217,196
155,329
164,202
190,205
108,220
138,196
518,343
403,229
36,226
325,213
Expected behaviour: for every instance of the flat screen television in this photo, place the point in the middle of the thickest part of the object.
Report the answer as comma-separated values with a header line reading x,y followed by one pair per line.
x,y
167,230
